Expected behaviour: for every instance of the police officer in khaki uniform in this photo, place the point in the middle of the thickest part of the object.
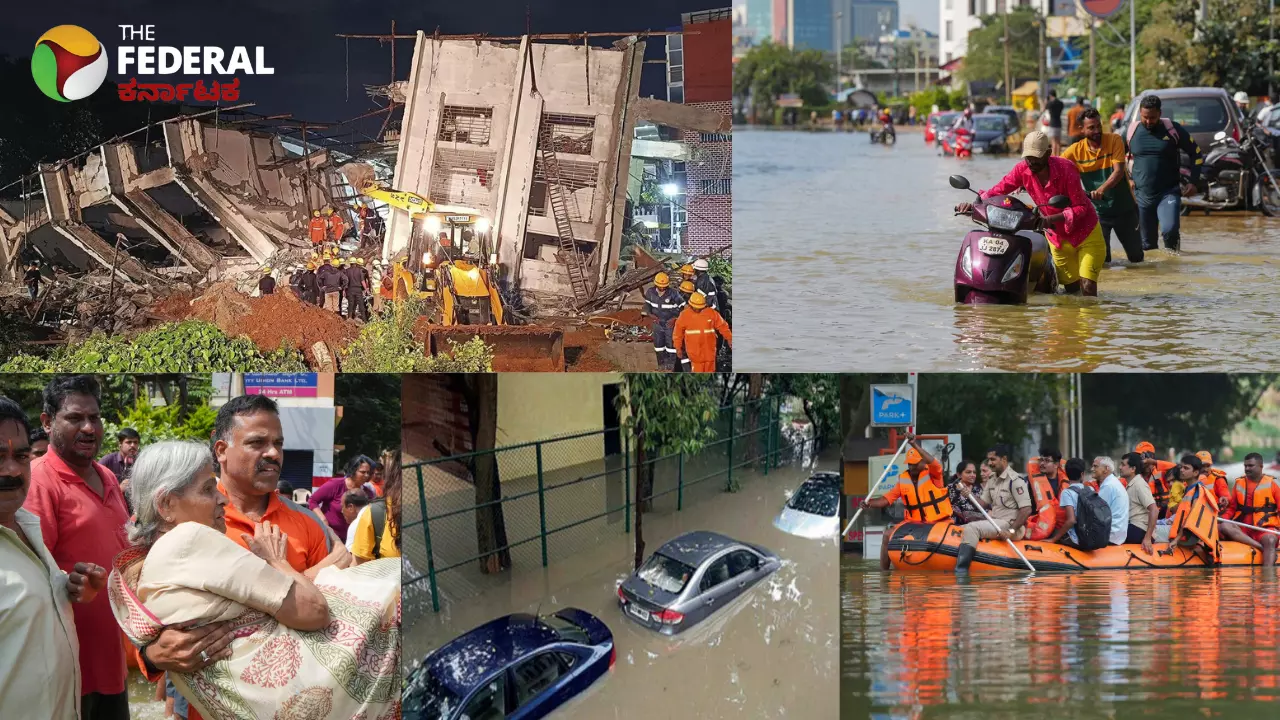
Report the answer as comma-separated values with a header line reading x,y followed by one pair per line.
x,y
1007,498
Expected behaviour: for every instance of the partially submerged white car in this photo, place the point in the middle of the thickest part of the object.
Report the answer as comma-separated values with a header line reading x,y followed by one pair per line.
x,y
813,511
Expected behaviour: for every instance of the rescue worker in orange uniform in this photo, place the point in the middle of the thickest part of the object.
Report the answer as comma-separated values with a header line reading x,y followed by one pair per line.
x,y
1195,520
363,212
695,335
1253,501
923,492
337,227
1155,472
663,303
1217,478
318,229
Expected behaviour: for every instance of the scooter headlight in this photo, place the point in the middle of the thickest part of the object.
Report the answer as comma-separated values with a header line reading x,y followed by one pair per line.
x,y
1003,219
1013,270
966,264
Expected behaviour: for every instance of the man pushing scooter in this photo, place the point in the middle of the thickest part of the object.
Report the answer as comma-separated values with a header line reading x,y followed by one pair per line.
x,y
1074,235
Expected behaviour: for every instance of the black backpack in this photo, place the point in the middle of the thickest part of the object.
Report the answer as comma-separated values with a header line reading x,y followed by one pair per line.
x,y
1093,519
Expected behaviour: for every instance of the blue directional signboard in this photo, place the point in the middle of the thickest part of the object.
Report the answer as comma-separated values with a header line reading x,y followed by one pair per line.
x,y
893,406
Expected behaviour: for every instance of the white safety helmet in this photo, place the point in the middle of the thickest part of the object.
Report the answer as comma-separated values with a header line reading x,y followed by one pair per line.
x,y
700,265
1242,97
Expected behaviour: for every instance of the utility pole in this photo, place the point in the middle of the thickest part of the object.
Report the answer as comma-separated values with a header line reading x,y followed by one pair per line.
x,y
1008,88
1093,65
1044,78
1271,56
1133,50
839,54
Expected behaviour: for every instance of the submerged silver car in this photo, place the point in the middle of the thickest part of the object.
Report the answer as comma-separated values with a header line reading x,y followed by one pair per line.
x,y
813,511
692,577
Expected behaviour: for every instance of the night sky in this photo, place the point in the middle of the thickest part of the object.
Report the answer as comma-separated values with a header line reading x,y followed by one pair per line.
x,y
310,63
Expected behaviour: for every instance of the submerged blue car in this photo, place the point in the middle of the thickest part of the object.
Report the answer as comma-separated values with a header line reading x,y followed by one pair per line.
x,y
518,667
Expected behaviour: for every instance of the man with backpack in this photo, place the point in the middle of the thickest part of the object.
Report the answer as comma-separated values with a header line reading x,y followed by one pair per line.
x,y
1007,498
1087,521
1154,144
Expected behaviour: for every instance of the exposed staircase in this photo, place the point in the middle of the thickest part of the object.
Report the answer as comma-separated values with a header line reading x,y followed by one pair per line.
x,y
560,212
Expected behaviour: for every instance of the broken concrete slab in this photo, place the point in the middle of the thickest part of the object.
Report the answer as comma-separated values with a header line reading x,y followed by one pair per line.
x,y
684,117
107,255
166,229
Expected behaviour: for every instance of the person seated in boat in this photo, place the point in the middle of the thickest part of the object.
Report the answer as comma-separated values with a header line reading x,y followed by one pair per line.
x,y
1143,510
1112,491
1195,518
1007,498
1049,466
923,493
302,647
1216,478
963,509
1157,474
1073,469
1253,501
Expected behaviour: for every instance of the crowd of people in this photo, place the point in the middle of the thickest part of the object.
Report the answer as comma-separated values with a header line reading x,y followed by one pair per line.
x,y
1090,506
687,325
219,587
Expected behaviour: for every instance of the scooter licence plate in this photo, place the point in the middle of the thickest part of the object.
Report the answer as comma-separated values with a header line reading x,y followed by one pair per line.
x,y
993,245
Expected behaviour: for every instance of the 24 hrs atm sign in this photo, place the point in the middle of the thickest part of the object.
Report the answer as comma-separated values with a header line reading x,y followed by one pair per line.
x,y
69,63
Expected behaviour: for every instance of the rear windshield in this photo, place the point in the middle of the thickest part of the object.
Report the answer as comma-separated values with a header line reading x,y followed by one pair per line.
x,y
567,631
1196,114
945,119
427,697
665,574
991,123
816,499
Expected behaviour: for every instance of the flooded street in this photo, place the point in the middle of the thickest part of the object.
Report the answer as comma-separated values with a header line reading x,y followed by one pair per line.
x,y
1185,644
844,247
771,653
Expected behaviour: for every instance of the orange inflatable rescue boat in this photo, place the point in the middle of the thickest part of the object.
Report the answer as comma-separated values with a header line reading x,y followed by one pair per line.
x,y
925,546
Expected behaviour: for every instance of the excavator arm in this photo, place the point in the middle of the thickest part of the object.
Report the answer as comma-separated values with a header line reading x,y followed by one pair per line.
x,y
412,203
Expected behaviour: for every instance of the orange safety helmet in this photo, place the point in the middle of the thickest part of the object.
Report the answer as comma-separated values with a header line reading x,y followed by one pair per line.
x,y
1205,457
1144,447
686,270
686,287
913,456
697,301
662,280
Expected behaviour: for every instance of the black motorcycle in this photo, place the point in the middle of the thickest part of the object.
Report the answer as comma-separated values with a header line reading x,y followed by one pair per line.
x,y
884,135
1237,176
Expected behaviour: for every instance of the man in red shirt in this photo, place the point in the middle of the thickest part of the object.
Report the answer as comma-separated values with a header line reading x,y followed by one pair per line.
x,y
249,449
82,518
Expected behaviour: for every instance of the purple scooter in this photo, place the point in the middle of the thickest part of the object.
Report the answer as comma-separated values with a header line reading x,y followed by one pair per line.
x,y
1002,264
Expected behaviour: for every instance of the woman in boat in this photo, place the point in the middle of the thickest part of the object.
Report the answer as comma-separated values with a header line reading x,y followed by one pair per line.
x,y
322,649
963,508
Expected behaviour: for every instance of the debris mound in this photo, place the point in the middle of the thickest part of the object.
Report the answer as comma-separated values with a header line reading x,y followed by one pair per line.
x,y
271,319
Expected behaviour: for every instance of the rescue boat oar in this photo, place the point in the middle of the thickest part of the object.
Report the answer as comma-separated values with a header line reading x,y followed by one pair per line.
x,y
1008,540
873,489
1251,527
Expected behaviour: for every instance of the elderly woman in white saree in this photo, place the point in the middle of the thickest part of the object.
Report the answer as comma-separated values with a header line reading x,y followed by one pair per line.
x,y
328,649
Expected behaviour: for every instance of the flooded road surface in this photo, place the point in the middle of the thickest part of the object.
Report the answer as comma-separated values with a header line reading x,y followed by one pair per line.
x,y
142,698
1186,644
772,653
845,253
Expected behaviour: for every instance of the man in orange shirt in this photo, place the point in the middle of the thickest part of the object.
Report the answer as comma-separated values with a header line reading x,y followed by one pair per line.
x,y
699,324
337,227
249,447
82,518
317,228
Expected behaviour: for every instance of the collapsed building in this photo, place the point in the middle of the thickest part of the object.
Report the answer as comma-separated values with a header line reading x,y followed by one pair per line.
x,y
537,137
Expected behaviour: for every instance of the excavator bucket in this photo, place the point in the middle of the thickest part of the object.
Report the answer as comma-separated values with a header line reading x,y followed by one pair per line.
x,y
516,348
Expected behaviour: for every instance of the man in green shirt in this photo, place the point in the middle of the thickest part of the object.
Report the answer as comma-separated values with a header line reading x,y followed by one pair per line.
x,y
1154,143
1100,159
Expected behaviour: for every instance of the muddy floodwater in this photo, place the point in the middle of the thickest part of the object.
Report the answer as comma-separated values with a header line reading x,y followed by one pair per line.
x,y
845,253
772,653
1173,644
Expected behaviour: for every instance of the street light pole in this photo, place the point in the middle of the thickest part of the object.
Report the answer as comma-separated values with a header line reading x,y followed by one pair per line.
x,y
1133,50
1271,56
1008,90
839,54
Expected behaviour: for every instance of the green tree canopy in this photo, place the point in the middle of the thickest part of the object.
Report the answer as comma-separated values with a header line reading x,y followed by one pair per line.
x,y
769,70
984,59
370,414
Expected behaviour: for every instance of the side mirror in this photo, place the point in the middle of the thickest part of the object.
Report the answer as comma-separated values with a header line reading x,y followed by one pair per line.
x,y
1220,135
1061,202
959,182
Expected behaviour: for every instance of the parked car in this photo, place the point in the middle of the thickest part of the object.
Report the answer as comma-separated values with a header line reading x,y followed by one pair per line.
x,y
991,133
518,667
813,510
937,125
1015,117
690,578
1203,111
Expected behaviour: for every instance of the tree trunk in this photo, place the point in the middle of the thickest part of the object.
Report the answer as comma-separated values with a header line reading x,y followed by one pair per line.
x,y
755,388
643,478
817,431
491,530
184,397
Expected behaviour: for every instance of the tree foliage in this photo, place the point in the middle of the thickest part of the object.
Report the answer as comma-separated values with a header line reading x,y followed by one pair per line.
x,y
1188,411
370,414
386,345
158,422
769,70
1232,50
189,346
819,394
984,59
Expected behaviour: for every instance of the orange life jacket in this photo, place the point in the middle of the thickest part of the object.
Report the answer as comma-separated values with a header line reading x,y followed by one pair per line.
x,y
1198,515
1255,505
926,502
1044,516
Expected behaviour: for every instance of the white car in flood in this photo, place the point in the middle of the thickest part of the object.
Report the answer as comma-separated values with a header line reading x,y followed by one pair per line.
x,y
813,511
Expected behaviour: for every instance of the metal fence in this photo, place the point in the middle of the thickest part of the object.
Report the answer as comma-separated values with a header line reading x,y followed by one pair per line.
x,y
565,494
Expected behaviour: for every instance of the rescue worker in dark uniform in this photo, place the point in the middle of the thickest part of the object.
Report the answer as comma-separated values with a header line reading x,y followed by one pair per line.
x,y
267,285
308,288
703,283
368,286
355,291
664,303
332,282
32,279
295,281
